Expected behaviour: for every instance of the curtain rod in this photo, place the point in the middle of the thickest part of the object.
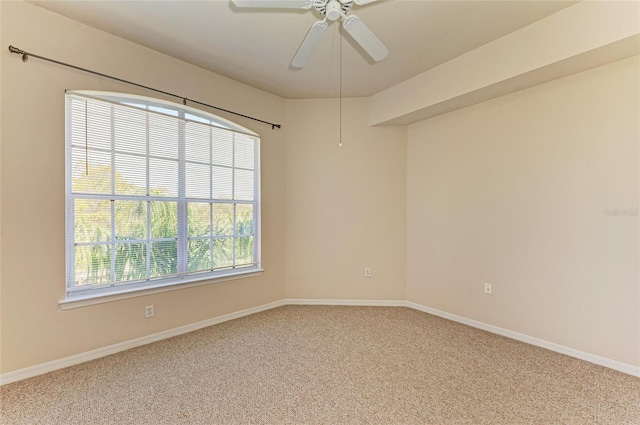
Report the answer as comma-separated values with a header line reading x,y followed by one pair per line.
x,y
25,57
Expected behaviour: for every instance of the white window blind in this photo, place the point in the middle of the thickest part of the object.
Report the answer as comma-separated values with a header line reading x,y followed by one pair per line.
x,y
157,194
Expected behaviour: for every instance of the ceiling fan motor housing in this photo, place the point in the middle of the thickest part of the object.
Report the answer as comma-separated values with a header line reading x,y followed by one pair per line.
x,y
333,9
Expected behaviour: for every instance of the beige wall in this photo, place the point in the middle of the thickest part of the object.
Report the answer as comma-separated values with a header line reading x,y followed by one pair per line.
x,y
34,329
345,207
514,192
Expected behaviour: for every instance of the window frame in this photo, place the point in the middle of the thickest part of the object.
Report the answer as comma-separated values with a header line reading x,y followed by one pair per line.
x,y
77,295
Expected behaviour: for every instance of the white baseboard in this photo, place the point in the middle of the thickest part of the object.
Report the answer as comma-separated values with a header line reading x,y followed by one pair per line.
x,y
51,366
28,372
592,358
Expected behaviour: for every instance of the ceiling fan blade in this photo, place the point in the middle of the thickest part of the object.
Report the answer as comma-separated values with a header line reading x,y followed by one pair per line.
x,y
278,4
361,2
310,42
366,38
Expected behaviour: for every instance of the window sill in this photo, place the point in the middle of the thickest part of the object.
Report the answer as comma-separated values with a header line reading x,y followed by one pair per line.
x,y
92,299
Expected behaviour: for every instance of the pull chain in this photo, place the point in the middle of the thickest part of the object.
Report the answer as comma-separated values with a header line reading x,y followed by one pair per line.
x,y
340,100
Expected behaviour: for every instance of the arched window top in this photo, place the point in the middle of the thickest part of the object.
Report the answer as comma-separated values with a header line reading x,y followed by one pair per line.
x,y
165,107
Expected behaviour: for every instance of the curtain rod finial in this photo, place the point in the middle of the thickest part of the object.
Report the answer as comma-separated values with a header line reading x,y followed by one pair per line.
x,y
25,56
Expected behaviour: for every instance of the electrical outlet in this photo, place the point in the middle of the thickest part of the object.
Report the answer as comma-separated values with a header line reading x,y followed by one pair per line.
x,y
488,289
148,311
367,272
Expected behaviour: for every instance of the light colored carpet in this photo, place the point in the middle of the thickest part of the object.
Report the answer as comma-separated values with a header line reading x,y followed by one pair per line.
x,y
329,365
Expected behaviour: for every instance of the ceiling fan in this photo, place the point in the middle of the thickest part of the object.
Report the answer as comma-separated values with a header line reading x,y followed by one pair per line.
x,y
332,10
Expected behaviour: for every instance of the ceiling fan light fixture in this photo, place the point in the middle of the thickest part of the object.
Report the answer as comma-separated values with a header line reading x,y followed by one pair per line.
x,y
334,10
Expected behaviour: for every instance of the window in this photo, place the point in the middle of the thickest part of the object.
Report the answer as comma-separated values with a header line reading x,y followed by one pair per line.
x,y
157,194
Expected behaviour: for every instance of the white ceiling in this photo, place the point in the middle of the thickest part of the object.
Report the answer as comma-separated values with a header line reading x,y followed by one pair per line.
x,y
256,46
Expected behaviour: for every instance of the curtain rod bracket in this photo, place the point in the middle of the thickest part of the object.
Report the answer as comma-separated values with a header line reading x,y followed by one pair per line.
x,y
25,57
